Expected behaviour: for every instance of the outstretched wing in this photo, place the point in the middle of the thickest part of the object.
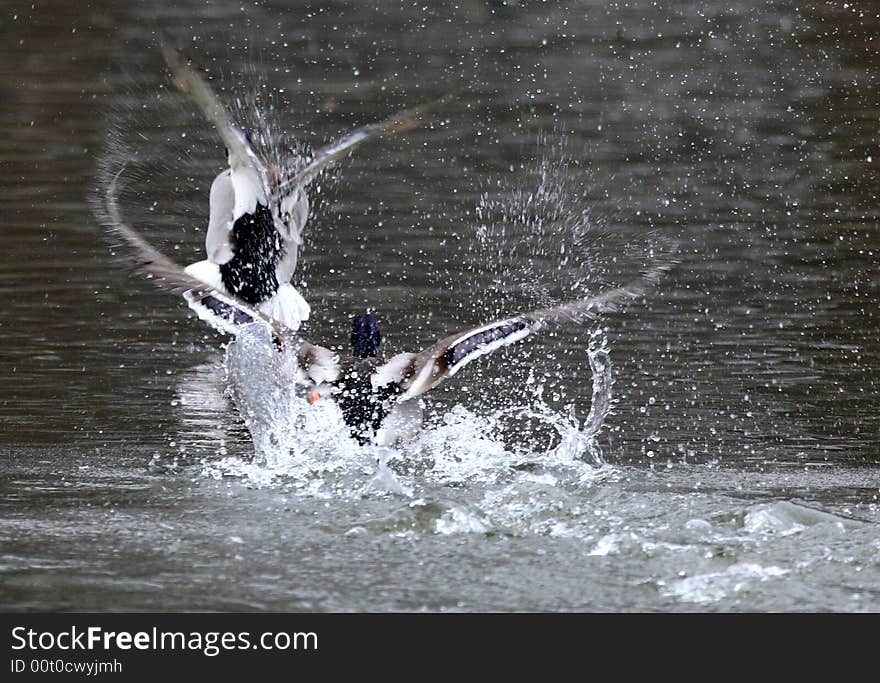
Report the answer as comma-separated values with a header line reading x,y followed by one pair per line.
x,y
188,78
329,154
294,186
221,310
420,372
191,82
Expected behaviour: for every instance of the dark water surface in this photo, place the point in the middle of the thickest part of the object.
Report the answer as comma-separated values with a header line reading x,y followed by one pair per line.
x,y
742,449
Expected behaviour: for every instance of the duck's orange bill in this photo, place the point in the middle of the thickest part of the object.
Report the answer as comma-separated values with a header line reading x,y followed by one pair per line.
x,y
314,396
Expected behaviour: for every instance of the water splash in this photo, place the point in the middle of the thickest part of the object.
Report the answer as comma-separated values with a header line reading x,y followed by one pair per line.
x,y
603,394
537,223
537,242
292,440
308,446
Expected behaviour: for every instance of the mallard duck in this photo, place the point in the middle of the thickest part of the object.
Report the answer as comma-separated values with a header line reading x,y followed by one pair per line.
x,y
369,388
257,211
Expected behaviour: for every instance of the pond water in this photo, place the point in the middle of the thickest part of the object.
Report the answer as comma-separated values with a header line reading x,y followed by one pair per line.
x,y
713,446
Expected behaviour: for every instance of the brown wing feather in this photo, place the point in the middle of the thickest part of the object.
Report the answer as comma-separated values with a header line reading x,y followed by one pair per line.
x,y
330,154
590,308
190,81
446,357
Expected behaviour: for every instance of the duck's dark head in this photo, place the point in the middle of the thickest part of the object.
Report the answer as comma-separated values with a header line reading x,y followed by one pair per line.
x,y
365,336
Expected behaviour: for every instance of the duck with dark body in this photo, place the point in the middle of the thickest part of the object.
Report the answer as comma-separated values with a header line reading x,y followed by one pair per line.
x,y
258,210
364,407
251,273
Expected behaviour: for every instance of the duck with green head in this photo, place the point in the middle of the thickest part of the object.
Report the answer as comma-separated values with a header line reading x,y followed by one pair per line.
x,y
364,406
